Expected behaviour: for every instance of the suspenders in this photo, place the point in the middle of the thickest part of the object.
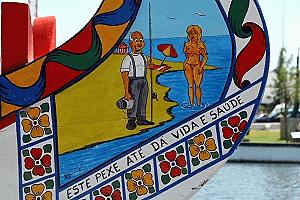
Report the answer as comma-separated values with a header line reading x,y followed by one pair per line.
x,y
134,66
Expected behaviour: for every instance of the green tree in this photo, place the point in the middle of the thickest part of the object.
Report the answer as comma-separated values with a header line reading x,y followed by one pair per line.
x,y
296,90
283,86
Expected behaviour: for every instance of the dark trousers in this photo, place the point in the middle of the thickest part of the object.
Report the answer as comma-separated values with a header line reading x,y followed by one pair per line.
x,y
139,91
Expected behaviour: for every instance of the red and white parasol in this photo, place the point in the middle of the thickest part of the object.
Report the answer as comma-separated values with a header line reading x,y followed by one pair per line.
x,y
168,51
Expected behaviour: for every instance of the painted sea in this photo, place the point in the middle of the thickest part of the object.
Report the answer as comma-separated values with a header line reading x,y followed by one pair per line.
x,y
74,164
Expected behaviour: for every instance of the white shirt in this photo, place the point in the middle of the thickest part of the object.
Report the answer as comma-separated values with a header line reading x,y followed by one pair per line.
x,y
127,65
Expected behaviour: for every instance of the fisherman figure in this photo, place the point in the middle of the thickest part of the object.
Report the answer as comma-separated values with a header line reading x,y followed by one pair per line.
x,y
133,72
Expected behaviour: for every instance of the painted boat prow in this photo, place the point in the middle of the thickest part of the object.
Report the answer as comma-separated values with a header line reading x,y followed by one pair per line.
x,y
63,137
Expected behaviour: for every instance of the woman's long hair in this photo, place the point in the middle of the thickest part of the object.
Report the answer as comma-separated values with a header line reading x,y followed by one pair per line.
x,y
197,29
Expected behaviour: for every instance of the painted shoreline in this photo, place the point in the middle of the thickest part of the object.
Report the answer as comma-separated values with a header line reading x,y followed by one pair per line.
x,y
109,122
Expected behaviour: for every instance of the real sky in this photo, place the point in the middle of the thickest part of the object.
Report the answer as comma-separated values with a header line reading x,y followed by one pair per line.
x,y
72,15
274,12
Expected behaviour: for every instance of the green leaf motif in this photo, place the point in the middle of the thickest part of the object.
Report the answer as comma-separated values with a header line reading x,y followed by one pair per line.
x,y
48,131
47,148
151,190
133,196
25,153
208,133
116,184
26,190
48,170
195,161
180,149
26,138
224,123
215,155
45,107
96,193
184,171
27,176
227,144
161,158
243,115
165,179
49,184
191,141
128,176
147,168
23,114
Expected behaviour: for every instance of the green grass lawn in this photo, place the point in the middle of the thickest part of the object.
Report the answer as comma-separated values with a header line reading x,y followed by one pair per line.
x,y
264,136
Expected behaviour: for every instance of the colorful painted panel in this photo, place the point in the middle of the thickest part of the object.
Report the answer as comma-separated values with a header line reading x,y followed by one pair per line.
x,y
148,96
172,80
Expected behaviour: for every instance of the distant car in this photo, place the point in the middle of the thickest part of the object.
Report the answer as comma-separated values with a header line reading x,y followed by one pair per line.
x,y
260,115
274,116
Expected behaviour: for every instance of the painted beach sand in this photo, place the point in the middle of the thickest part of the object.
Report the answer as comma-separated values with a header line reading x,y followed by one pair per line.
x,y
93,99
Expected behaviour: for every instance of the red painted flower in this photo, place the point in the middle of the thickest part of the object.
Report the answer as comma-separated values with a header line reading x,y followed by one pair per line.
x,y
36,162
235,128
108,193
174,164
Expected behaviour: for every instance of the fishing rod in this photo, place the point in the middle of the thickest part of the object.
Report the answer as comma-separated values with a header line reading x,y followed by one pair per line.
x,y
151,59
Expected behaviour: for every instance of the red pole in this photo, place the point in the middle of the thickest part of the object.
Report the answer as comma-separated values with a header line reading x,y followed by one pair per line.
x,y
16,36
17,41
44,35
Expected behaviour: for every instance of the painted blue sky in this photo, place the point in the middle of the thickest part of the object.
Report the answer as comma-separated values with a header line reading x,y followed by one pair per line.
x,y
170,18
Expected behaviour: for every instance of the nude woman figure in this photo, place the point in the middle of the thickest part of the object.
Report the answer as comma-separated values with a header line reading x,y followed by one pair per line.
x,y
194,50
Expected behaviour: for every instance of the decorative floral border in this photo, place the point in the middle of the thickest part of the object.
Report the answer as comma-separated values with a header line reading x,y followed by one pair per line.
x,y
38,162
44,190
172,165
232,130
110,191
203,148
140,182
36,123
37,151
